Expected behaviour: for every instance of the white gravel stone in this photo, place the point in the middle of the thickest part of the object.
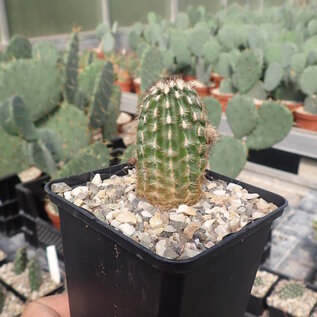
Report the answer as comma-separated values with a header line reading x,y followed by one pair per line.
x,y
220,192
127,229
190,211
126,217
177,217
96,180
80,189
60,188
155,222
146,214
250,196
68,195
160,247
234,187
236,202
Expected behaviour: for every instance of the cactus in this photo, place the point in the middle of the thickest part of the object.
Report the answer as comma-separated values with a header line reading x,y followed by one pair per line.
x,y
71,124
109,129
274,123
228,156
35,274
71,68
135,35
312,27
45,152
223,66
311,58
308,80
170,171
18,47
106,36
248,70
258,281
211,51
310,104
273,76
203,71
129,153
20,261
91,158
38,83
182,21
151,67
180,49
226,87
287,52
227,37
197,39
257,91
46,50
242,115
16,120
101,98
291,290
298,62
213,110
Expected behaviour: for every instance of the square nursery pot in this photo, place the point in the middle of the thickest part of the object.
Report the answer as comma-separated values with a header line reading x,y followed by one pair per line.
x,y
10,225
109,273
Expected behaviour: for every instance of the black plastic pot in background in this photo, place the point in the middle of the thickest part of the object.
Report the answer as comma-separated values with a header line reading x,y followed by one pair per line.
x,y
107,272
7,188
36,226
11,225
117,148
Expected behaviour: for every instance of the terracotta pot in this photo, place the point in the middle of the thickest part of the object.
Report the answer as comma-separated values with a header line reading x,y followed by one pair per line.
x,y
305,120
222,98
216,79
137,85
125,85
189,78
292,105
52,215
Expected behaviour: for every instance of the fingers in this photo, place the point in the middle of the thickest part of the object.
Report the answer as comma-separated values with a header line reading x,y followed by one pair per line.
x,y
51,306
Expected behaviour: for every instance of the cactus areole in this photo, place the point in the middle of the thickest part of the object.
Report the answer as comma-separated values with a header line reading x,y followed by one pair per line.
x,y
173,141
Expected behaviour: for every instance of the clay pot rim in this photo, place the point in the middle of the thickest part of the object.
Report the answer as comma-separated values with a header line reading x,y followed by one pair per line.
x,y
217,92
302,114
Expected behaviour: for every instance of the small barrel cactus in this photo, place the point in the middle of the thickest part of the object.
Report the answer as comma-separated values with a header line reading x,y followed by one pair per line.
x,y
20,261
173,142
292,290
35,274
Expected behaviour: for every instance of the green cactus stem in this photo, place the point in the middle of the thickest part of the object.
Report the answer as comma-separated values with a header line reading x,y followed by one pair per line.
x,y
173,142
20,261
19,47
35,274
292,290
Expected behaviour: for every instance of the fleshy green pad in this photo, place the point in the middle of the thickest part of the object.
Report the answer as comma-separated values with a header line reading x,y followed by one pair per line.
x,y
213,110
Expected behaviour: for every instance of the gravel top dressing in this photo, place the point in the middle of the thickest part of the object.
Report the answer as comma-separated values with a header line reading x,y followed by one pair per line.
x,y
13,306
21,282
262,284
293,297
179,233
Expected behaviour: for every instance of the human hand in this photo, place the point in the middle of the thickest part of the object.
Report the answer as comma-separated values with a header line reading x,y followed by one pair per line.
x,y
51,306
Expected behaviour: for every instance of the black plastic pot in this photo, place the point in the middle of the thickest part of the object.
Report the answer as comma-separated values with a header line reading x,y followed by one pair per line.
x,y
110,274
36,226
11,225
7,188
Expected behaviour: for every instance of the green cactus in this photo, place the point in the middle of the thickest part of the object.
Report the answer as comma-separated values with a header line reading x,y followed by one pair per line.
x,y
211,51
203,71
173,141
45,152
223,66
312,27
213,110
179,47
46,50
308,81
241,115
16,120
20,261
71,69
71,124
273,76
258,281
197,39
287,52
136,36
311,59
38,83
228,156
101,98
35,274
11,158
106,36
2,299
298,62
228,37
91,158
248,71
272,52
226,87
257,91
151,67
291,290
182,21
310,104
129,152
274,123
18,47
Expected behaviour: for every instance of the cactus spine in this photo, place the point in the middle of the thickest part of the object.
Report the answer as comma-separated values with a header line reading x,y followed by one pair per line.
x,y
35,274
173,141
20,261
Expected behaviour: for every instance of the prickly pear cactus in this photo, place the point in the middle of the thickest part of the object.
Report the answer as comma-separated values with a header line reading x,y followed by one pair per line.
x,y
211,51
179,47
71,69
151,67
228,156
37,82
16,120
291,290
273,76
258,91
213,110
223,66
20,261
46,50
308,80
173,141
19,47
91,158
2,299
274,123
197,39
298,62
35,274
129,152
310,104
226,87
242,115
247,72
